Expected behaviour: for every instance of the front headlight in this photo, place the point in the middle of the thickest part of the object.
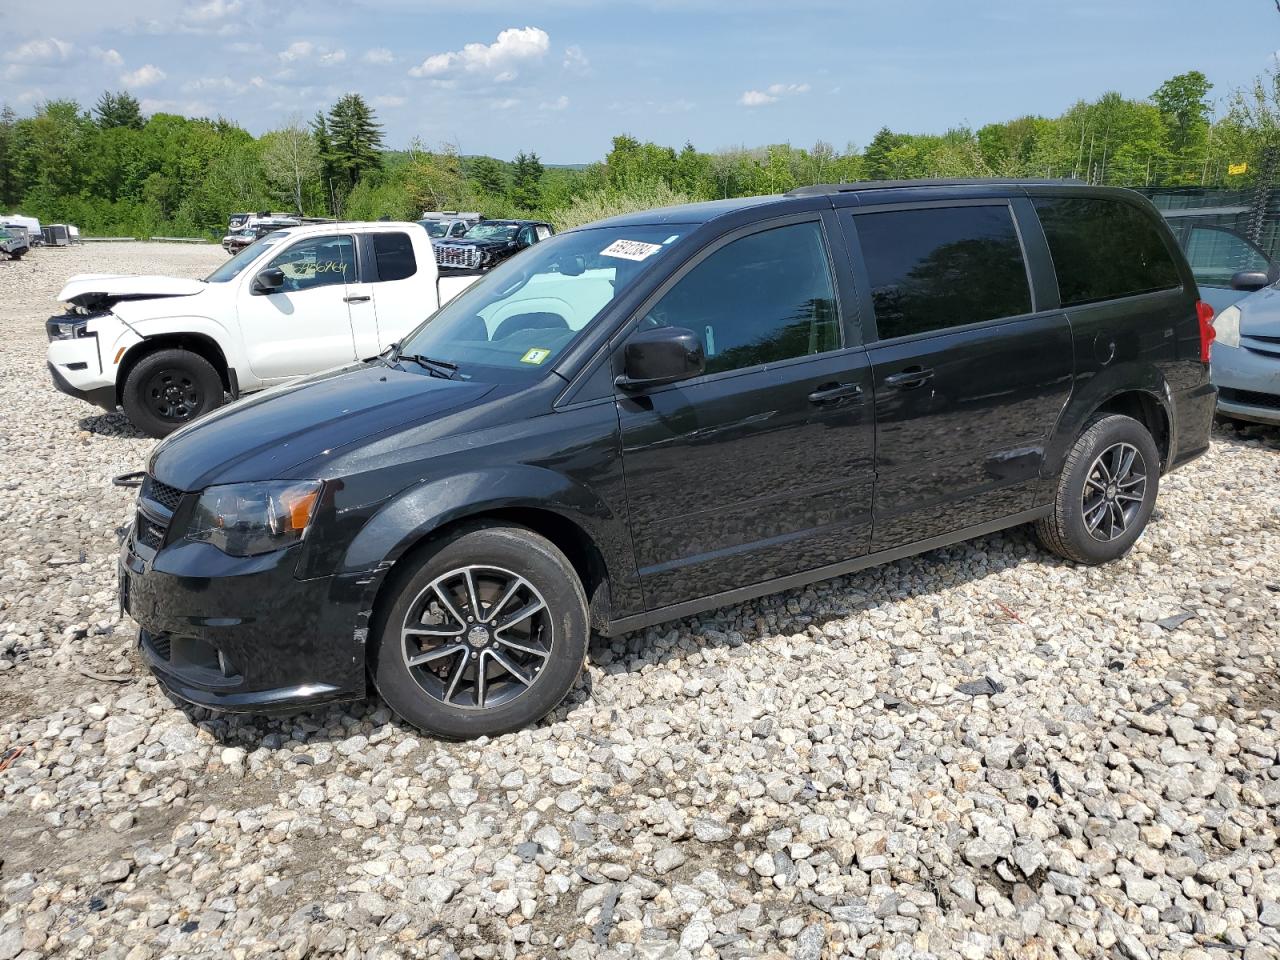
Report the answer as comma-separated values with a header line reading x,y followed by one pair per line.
x,y
70,329
1226,327
246,519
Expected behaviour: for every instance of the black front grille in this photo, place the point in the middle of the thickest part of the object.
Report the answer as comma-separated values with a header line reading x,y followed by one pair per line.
x,y
147,533
1250,397
161,493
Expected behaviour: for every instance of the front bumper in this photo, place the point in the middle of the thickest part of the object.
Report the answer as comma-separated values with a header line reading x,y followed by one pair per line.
x,y
1248,381
239,634
100,396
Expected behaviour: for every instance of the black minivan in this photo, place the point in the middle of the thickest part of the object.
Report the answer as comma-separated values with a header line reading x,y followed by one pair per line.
x,y
663,413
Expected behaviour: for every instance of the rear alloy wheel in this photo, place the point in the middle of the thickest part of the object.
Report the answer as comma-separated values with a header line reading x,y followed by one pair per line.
x,y
486,633
170,388
1106,492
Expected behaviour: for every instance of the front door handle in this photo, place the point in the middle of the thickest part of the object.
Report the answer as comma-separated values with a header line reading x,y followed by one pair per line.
x,y
909,379
359,298
832,392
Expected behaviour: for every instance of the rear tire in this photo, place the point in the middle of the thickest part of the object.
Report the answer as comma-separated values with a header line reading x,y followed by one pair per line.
x,y
454,652
1106,492
168,389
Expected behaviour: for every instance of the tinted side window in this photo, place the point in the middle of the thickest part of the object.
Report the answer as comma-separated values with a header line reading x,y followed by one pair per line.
x,y
760,299
1103,249
943,267
317,262
394,253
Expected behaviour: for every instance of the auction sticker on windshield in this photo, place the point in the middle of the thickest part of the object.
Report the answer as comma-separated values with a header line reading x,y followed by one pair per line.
x,y
535,355
630,250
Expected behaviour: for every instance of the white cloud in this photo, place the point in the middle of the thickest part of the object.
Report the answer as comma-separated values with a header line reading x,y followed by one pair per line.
x,y
298,50
111,57
771,94
389,100
506,76
576,60
755,98
513,45
144,76
559,103
333,56
505,104
209,10
243,46
378,55
40,51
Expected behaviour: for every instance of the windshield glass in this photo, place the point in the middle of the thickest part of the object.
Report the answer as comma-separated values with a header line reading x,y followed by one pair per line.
x,y
233,267
493,231
435,228
516,320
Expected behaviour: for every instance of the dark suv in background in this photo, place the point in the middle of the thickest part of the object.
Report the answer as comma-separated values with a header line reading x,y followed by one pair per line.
x,y
666,412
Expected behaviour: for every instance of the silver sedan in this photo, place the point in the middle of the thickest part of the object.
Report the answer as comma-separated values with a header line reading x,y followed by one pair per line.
x,y
1245,358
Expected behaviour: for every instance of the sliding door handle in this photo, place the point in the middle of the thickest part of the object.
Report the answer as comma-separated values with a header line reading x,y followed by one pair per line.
x,y
909,378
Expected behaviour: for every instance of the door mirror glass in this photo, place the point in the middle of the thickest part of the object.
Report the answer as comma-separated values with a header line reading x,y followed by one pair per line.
x,y
269,280
660,356
1249,280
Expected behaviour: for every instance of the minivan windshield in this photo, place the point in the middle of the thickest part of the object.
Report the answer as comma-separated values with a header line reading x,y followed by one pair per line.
x,y
235,266
516,320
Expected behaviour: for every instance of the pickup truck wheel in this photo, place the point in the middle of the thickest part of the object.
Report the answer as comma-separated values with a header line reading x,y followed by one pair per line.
x,y
1105,494
170,388
484,635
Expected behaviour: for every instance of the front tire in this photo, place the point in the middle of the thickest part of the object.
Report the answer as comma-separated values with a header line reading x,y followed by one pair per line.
x,y
168,389
1106,492
485,634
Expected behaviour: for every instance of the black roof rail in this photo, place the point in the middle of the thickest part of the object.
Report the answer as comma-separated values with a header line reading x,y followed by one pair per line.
x,y
826,189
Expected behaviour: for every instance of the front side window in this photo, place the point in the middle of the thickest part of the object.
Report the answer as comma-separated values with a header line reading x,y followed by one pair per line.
x,y
1104,249
1216,254
459,229
317,262
511,324
763,298
943,267
394,254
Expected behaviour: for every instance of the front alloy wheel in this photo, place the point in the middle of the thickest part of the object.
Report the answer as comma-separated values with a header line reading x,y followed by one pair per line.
x,y
479,632
477,637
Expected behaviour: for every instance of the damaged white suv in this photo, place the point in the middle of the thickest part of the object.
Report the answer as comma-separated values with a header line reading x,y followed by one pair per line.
x,y
295,302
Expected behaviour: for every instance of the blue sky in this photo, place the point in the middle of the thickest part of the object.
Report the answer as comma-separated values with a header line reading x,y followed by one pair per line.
x,y
563,77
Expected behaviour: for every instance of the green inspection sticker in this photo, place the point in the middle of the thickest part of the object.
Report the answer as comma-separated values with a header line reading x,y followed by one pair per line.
x,y
535,355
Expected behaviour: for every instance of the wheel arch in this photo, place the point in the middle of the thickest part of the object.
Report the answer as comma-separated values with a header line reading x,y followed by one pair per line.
x,y
1136,391
567,513
200,344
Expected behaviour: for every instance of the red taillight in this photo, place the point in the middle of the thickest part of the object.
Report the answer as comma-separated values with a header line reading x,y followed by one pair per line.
x,y
1207,333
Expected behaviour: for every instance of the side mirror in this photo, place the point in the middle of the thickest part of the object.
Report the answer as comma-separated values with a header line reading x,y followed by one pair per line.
x,y
1250,280
268,281
656,357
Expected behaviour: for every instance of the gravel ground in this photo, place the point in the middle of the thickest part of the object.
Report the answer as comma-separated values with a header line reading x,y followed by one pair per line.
x,y
980,752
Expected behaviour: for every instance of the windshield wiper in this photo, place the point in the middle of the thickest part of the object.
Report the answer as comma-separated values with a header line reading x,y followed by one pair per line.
x,y
437,368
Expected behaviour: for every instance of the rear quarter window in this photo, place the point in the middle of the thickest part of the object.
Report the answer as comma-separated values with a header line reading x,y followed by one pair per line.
x,y
1104,249
394,253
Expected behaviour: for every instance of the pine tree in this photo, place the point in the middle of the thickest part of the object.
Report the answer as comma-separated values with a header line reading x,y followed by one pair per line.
x,y
526,181
118,110
355,138
8,157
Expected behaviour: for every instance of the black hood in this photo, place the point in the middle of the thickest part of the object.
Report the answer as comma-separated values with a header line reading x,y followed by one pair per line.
x,y
263,437
481,244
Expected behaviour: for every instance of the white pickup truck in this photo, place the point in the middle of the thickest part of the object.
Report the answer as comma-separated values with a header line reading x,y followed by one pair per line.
x,y
295,302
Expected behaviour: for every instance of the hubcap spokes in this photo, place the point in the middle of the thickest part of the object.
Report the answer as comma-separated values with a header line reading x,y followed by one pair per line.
x,y
1114,489
477,637
173,395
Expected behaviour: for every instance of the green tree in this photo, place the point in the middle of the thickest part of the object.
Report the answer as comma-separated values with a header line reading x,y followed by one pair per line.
x,y
9,191
291,163
355,139
876,157
526,181
118,110
488,176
